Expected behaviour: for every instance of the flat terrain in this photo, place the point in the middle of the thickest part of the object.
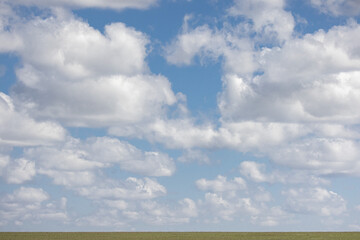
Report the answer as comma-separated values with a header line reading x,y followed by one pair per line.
x,y
182,235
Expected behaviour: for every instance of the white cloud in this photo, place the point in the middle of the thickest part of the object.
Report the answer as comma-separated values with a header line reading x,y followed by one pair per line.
x,y
118,204
113,4
74,74
8,40
254,171
150,212
298,99
212,44
258,136
273,217
129,158
194,155
173,133
309,79
27,195
315,201
4,161
159,214
18,129
298,96
232,202
338,7
19,171
78,160
74,50
220,184
81,166
268,17
104,218
242,136
189,207
199,41
269,20
70,179
131,188
323,156
219,206
28,204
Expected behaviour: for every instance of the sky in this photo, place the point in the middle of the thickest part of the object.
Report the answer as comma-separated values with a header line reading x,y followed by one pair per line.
x,y
179,115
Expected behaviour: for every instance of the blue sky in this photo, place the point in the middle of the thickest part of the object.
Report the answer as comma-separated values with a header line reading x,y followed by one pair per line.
x,y
179,115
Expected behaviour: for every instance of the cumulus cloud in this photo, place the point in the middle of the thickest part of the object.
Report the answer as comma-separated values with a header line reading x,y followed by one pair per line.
x,y
151,212
29,204
192,155
112,4
294,101
315,200
207,43
338,7
81,166
199,41
155,213
308,79
19,129
300,96
81,159
173,133
130,158
234,200
221,207
297,99
184,133
76,50
77,163
9,41
257,172
268,17
18,171
131,188
323,156
220,184
74,74
254,171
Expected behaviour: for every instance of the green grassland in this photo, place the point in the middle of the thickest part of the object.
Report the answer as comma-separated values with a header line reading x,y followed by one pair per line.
x,y
182,235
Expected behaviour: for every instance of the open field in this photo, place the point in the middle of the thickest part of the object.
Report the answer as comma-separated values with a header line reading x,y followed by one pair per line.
x,y
182,235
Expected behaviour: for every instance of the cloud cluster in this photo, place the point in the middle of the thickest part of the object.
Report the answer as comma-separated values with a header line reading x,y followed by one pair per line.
x,y
19,129
309,79
315,200
207,43
113,4
256,172
28,204
338,8
122,214
238,200
17,171
220,184
82,77
75,75
83,168
81,158
269,18
293,100
232,200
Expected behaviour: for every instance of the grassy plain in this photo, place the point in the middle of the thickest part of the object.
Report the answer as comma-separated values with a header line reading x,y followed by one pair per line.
x,y
181,235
